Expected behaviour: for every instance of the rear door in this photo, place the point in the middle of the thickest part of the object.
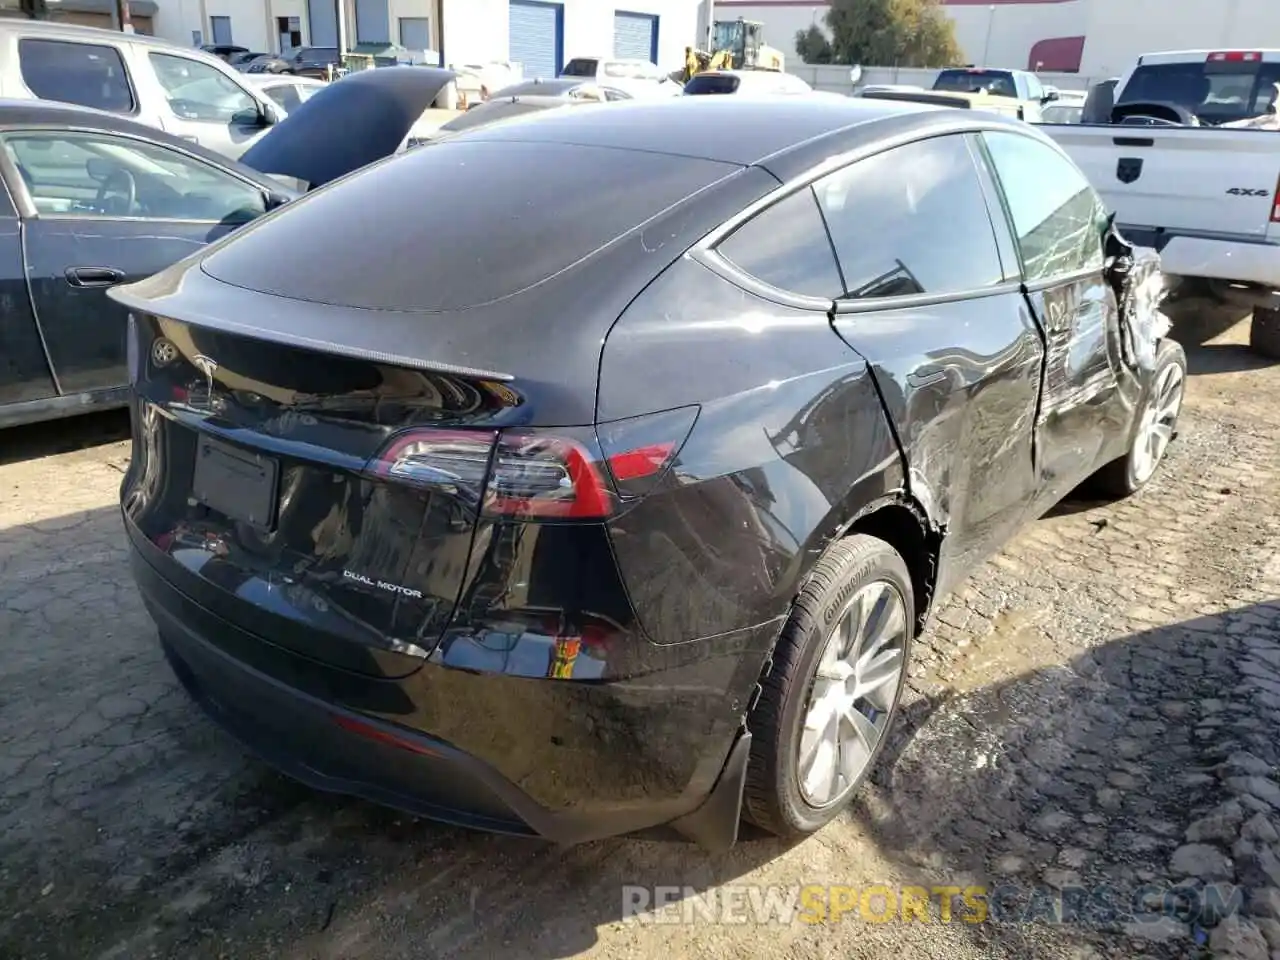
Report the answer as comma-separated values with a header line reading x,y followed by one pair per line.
x,y
205,105
110,209
936,309
1058,222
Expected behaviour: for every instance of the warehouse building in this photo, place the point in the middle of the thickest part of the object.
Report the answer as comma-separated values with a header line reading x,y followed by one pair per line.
x,y
539,34
1096,38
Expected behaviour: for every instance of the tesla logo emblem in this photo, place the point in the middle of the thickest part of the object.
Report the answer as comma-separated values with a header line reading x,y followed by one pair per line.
x,y
163,352
208,368
1129,169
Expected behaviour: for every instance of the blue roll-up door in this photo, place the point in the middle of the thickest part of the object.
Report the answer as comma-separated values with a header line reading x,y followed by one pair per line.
x,y
373,22
635,36
535,37
323,22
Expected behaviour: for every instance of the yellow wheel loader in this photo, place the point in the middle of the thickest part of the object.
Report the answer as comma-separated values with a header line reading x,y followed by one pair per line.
x,y
736,45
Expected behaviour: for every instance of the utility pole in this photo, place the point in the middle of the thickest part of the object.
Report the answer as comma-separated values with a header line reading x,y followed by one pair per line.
x,y
986,46
123,21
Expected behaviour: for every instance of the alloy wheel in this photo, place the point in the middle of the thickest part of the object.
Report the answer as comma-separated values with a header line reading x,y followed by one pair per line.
x,y
1155,431
855,690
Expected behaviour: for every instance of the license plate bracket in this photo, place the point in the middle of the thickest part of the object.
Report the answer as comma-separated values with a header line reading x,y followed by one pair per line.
x,y
240,484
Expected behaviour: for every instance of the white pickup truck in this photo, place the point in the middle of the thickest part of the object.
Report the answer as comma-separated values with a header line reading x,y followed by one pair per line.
x,y
1190,163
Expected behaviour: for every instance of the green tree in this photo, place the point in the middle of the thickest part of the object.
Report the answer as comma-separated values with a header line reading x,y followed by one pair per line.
x,y
813,46
886,33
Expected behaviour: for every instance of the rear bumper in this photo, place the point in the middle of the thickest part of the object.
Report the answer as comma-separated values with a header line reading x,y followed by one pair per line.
x,y
1250,260
374,738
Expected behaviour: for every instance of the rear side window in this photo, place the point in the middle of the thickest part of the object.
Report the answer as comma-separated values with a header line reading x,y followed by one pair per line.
x,y
911,220
786,246
88,74
1057,216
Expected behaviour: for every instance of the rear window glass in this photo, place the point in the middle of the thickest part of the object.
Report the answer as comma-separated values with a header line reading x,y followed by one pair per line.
x,y
998,83
579,67
711,83
1216,93
457,224
88,74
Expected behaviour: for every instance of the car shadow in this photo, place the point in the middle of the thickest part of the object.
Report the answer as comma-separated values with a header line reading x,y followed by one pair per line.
x,y
52,437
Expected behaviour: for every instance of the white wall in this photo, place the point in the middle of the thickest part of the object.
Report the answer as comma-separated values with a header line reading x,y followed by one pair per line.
x,y
1014,29
588,27
1119,33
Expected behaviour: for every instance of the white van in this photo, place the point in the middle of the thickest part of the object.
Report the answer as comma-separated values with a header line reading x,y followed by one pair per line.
x,y
183,91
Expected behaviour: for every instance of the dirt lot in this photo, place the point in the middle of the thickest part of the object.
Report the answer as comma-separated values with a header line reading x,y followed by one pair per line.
x,y
1098,706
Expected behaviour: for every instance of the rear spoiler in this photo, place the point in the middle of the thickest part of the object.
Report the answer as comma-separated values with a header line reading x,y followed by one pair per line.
x,y
963,101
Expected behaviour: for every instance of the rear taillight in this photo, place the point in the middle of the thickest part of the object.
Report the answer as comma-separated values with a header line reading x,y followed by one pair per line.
x,y
1275,203
1235,56
562,473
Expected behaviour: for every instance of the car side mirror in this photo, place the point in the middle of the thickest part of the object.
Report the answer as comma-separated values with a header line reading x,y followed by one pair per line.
x,y
1050,96
276,200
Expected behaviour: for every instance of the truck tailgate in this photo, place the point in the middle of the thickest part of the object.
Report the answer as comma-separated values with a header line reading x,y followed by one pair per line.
x,y
1198,179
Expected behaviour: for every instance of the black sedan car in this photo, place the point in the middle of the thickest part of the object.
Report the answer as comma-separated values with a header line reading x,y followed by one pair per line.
x,y
92,199
612,496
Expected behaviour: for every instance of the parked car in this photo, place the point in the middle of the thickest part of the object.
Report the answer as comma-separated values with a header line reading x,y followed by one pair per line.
x,y
751,82
185,92
286,91
98,199
1022,86
224,51
639,78
613,494
313,62
1195,179
241,61
568,88
888,88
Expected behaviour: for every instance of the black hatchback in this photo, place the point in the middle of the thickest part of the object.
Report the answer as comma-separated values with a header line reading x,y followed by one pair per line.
x,y
600,480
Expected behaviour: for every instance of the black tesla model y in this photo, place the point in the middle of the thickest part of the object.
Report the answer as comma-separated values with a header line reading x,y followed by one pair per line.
x,y
570,478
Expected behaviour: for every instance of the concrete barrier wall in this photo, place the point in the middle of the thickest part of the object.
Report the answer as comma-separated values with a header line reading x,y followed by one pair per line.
x,y
836,79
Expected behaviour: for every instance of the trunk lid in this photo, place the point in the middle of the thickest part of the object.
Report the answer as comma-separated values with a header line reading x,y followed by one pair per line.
x,y
257,471
349,124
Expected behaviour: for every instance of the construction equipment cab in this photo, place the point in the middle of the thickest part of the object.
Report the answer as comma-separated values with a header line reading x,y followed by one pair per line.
x,y
743,41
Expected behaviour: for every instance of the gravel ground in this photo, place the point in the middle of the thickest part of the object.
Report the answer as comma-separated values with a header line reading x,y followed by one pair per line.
x,y
1096,712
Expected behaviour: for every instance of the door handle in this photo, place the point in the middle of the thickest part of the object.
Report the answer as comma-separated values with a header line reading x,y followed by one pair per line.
x,y
93,276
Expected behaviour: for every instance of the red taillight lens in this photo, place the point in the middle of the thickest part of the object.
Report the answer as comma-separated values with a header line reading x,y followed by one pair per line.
x,y
561,473
547,475
1275,204
640,450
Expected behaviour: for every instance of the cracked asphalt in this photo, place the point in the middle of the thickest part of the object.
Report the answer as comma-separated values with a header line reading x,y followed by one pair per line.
x,y
1095,712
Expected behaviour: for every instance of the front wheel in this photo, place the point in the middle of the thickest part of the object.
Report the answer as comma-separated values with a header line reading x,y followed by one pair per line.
x,y
838,672
1155,427
1264,332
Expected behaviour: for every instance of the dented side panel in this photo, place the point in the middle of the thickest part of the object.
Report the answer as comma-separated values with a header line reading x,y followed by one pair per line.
x,y
961,384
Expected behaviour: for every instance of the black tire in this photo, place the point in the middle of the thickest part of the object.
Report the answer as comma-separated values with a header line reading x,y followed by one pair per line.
x,y
1120,479
1264,333
772,798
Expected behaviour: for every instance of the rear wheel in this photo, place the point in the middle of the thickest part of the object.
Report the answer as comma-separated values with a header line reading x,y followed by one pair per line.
x,y
1155,427
1264,333
833,690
